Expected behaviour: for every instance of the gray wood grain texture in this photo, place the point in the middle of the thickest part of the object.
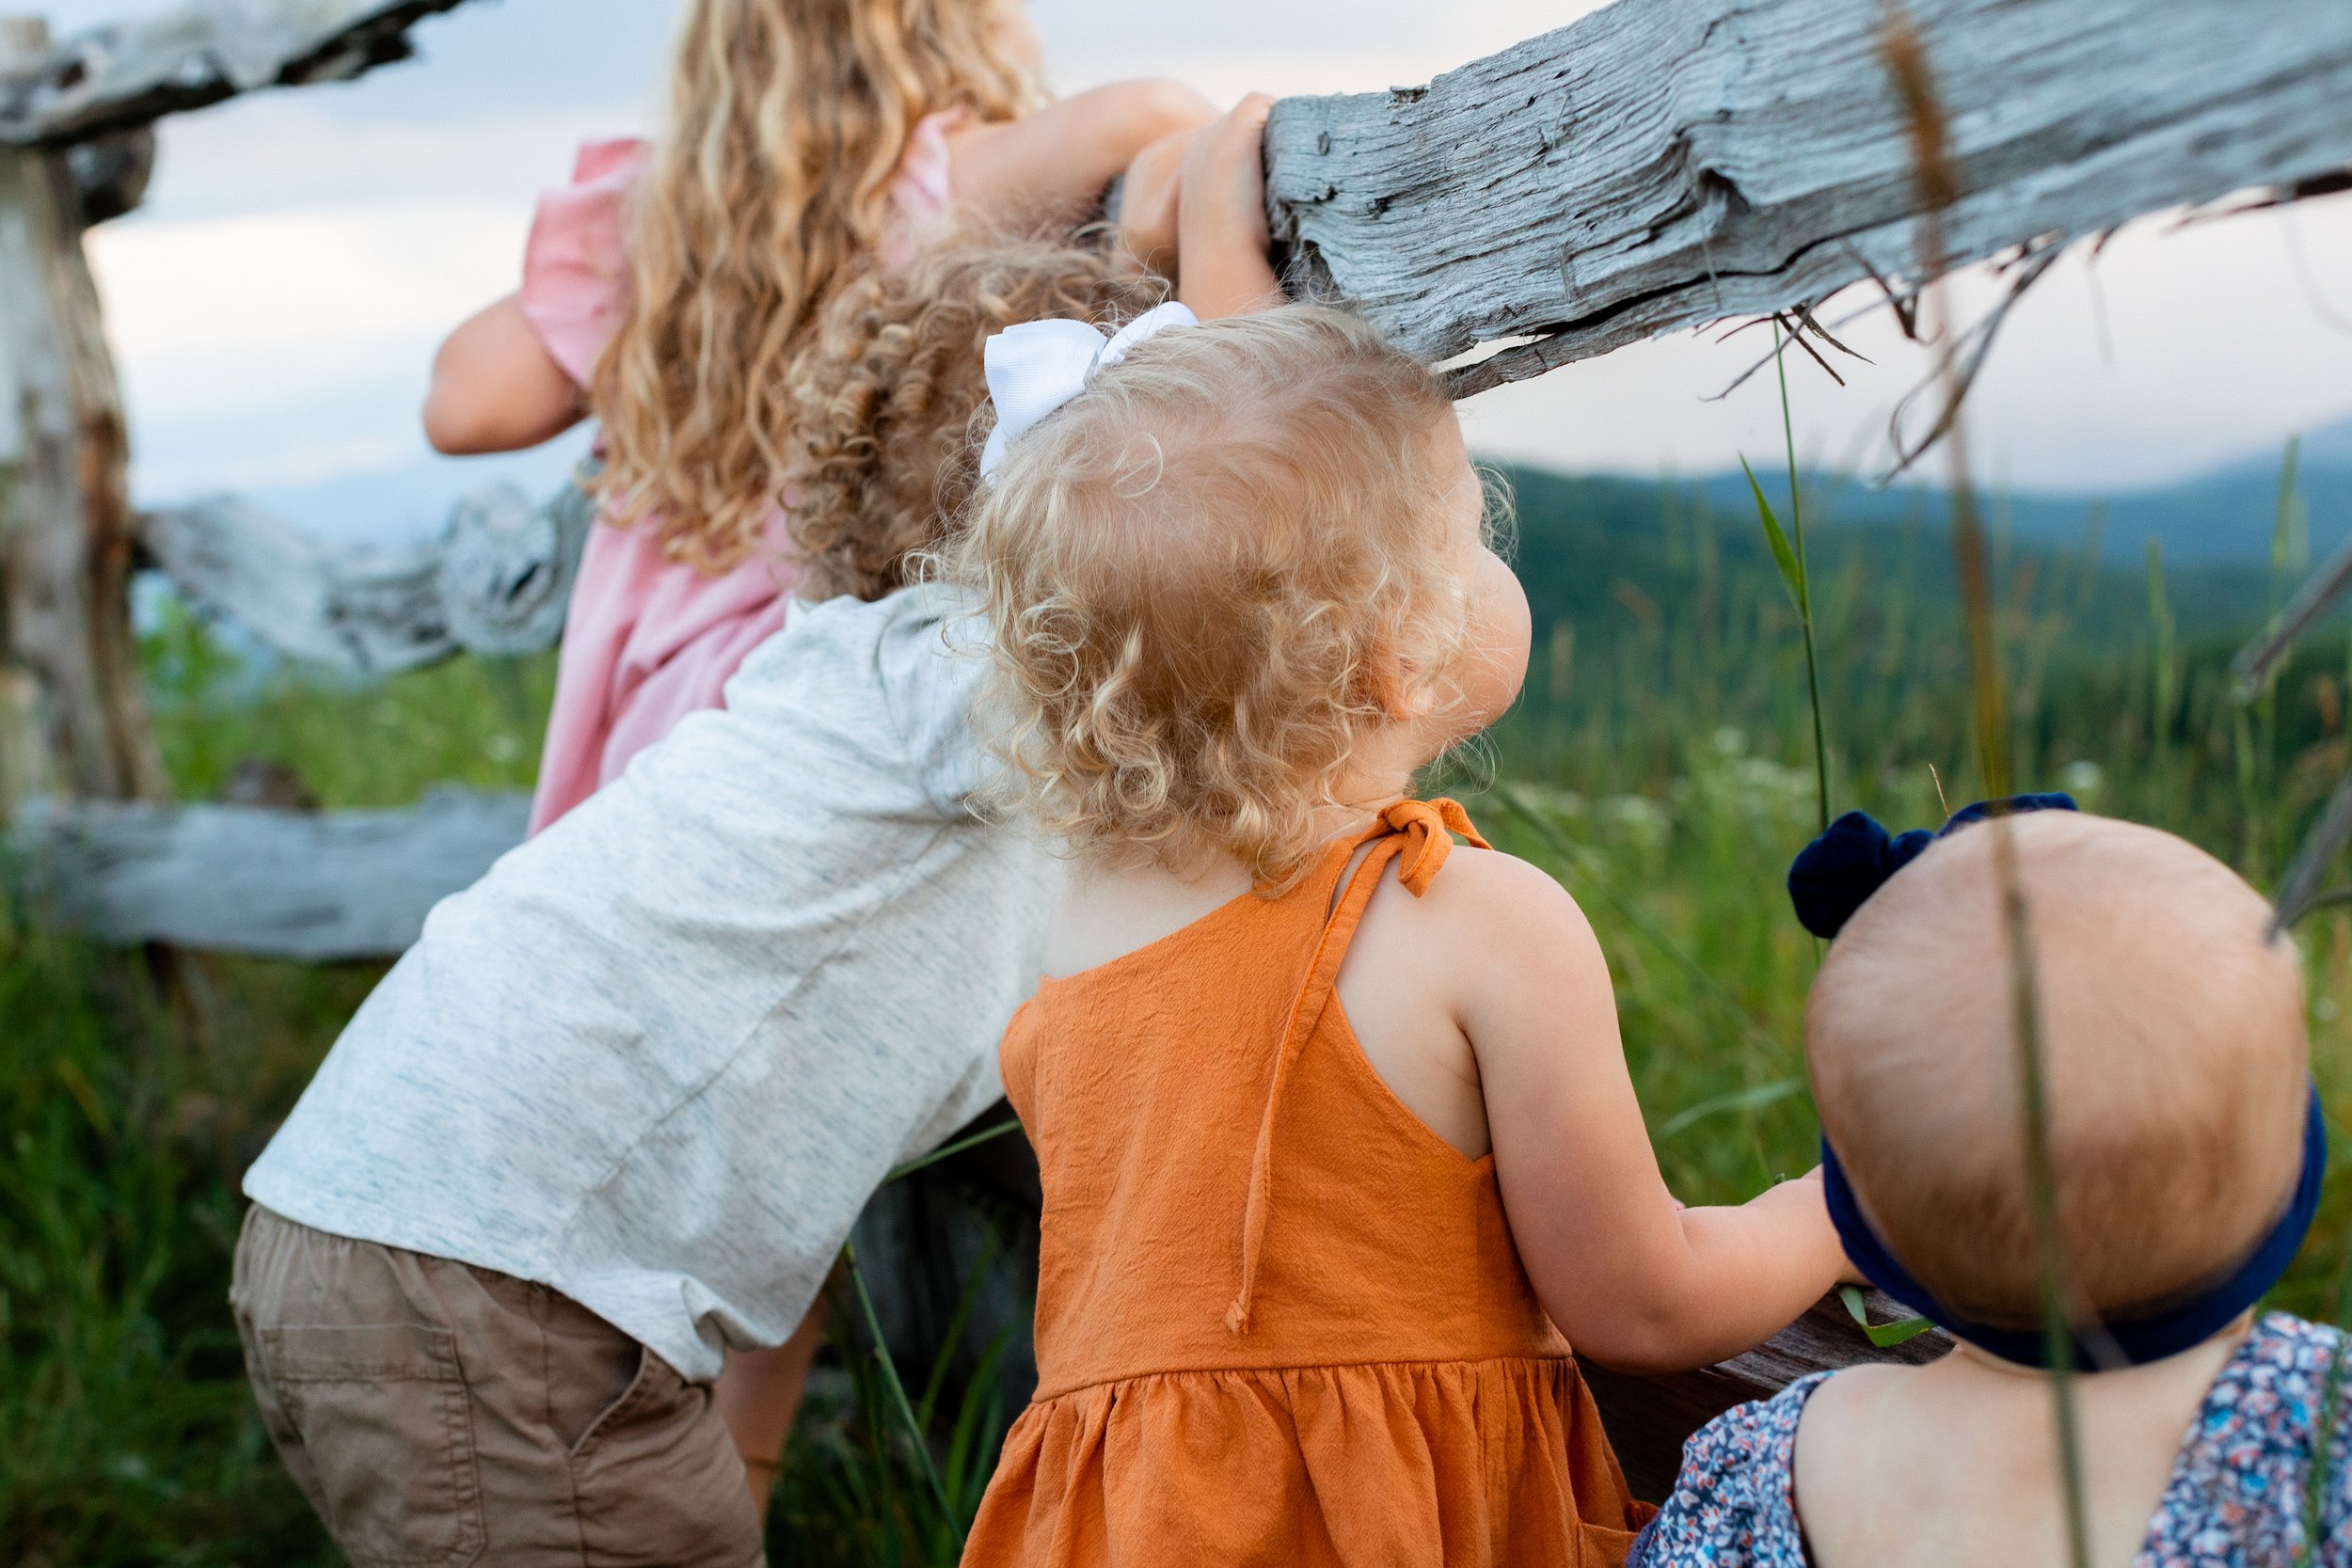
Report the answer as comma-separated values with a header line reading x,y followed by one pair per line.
x,y
73,708
1663,163
134,71
497,581
241,879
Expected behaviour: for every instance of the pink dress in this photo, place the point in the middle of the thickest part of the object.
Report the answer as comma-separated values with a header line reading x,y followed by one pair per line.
x,y
647,640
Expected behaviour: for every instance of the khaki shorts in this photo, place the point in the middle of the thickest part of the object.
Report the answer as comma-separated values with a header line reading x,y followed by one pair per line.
x,y
438,1415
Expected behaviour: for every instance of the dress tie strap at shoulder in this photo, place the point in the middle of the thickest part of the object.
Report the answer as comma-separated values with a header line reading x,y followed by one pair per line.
x,y
1418,835
1428,828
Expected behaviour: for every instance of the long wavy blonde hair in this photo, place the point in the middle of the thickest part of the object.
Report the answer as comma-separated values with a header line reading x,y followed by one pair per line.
x,y
788,120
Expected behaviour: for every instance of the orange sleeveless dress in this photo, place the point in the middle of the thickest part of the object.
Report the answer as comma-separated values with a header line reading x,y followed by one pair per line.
x,y
1279,1322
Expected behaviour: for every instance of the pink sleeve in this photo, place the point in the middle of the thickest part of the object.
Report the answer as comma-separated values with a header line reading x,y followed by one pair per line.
x,y
575,267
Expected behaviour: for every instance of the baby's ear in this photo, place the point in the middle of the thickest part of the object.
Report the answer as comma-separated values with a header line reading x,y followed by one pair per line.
x,y
1393,688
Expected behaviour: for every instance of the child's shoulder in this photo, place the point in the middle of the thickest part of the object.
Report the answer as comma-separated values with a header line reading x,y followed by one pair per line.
x,y
1731,1504
1503,900
1493,934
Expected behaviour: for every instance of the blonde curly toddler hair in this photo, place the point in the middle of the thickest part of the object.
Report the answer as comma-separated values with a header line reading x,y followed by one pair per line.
x,y
1209,578
882,402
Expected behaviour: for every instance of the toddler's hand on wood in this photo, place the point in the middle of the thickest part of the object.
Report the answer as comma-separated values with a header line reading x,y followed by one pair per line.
x,y
1149,202
1222,227
1225,165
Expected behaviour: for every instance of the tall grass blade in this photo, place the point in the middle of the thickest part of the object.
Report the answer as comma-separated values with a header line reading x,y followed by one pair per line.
x,y
2287,550
2298,890
2286,541
1939,189
2245,753
2313,600
898,1391
1805,583
1792,577
1783,553
970,1459
948,1151
2164,673
1754,1098
2327,1428
967,1300
2094,529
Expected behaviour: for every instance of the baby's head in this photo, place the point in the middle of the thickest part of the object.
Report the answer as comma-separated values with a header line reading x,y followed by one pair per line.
x,y
1242,577
2173,1030
884,399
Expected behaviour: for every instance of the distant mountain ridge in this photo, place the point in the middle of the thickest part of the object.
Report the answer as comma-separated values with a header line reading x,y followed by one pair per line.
x,y
2221,517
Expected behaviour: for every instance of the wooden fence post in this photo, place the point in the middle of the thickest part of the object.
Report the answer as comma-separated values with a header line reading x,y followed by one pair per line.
x,y
72,717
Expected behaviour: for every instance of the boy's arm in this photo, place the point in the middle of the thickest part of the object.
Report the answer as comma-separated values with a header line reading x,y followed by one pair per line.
x,y
1635,1280
496,388
1058,162
1222,243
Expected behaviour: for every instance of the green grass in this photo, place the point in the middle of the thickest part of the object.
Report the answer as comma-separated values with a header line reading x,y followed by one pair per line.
x,y
1665,758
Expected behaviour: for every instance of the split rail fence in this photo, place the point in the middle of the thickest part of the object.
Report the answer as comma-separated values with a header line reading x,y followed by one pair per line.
x,y
1657,165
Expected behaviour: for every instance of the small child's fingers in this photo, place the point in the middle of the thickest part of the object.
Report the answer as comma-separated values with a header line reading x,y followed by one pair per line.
x,y
1156,174
1233,142
1149,205
1247,123
1164,155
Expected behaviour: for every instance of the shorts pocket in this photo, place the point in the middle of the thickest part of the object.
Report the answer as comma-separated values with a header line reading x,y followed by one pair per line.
x,y
641,1392
382,1414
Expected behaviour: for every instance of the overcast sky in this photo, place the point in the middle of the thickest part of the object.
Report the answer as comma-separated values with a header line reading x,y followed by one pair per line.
x,y
275,306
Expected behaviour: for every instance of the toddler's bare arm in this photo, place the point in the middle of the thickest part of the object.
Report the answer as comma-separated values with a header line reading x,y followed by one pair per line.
x,y
1056,162
1635,1280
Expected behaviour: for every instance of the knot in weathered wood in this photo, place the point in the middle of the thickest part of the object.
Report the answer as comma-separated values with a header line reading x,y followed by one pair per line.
x,y
508,566
112,172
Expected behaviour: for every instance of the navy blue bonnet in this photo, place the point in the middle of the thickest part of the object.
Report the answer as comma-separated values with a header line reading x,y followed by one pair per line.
x,y
1836,876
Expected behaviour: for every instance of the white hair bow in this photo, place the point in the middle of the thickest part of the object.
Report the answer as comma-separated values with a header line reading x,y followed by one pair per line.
x,y
1036,368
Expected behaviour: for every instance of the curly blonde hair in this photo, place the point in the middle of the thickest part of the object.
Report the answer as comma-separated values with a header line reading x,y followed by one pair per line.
x,y
1209,578
884,400
788,120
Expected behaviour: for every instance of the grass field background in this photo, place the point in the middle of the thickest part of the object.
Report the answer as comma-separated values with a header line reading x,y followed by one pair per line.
x,y
1661,764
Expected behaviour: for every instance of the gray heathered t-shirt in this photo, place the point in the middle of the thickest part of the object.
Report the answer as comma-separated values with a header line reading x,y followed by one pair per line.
x,y
661,1056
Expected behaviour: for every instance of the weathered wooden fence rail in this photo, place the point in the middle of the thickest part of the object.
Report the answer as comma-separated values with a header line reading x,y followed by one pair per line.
x,y
277,884
1660,164
1665,163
